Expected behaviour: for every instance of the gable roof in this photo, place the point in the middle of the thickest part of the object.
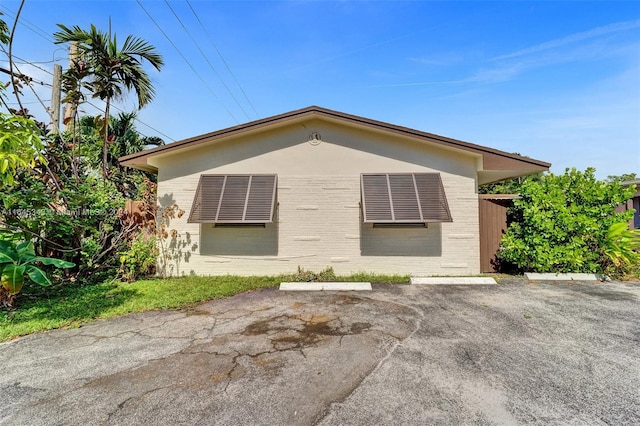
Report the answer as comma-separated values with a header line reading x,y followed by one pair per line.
x,y
496,165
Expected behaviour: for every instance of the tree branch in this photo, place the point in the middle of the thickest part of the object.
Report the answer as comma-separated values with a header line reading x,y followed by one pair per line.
x,y
13,31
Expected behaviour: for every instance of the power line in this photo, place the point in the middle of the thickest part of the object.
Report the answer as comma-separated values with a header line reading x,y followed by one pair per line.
x,y
136,119
53,58
206,59
38,62
186,60
29,79
222,58
23,77
29,102
30,26
33,64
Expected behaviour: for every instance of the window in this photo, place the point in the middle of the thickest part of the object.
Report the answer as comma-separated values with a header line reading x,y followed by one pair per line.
x,y
234,199
403,198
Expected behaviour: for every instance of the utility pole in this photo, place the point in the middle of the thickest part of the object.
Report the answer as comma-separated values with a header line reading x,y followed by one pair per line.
x,y
70,108
55,98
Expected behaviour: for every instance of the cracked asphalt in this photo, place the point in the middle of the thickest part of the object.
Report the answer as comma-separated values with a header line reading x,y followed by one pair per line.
x,y
513,353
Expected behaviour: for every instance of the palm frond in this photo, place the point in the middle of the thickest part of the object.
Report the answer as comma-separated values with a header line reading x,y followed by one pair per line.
x,y
135,46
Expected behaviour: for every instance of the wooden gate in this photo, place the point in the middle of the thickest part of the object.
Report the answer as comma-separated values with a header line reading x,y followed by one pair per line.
x,y
493,223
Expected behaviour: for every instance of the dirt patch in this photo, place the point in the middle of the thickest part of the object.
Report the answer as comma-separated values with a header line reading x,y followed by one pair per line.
x,y
272,325
348,300
295,332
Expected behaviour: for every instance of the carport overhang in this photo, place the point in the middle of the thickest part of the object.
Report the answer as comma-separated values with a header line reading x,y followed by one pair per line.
x,y
493,165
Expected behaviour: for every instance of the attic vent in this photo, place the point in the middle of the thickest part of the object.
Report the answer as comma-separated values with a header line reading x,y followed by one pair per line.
x,y
404,198
315,138
234,199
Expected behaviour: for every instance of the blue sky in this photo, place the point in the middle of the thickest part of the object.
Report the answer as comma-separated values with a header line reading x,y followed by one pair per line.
x,y
556,81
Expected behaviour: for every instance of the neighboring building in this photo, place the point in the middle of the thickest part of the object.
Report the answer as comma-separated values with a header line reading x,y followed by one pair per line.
x,y
633,203
318,188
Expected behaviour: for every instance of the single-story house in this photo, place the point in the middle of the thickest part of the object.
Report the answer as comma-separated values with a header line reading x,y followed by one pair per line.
x,y
319,188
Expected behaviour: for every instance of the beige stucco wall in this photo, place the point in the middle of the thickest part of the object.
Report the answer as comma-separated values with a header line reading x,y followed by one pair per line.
x,y
318,220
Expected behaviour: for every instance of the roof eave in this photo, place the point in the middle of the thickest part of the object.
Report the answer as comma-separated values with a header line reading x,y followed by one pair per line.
x,y
138,163
492,159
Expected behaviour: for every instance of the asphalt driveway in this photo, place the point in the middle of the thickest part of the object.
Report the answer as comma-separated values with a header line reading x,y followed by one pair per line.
x,y
513,353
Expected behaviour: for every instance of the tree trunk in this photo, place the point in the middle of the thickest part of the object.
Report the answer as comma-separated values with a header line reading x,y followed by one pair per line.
x,y
105,166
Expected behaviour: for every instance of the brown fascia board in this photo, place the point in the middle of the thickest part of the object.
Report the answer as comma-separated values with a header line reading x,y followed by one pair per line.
x,y
493,159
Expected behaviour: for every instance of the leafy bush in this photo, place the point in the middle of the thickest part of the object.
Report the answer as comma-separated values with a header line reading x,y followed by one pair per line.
x,y
20,146
622,249
81,222
560,222
139,259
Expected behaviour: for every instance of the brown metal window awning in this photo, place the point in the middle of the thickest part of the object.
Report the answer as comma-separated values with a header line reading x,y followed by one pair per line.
x,y
234,199
403,198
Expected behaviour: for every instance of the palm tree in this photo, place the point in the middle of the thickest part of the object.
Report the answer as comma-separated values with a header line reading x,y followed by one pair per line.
x,y
125,138
112,69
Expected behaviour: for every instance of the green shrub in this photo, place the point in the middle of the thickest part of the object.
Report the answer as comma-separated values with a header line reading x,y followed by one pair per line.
x,y
81,222
139,259
622,250
20,146
560,222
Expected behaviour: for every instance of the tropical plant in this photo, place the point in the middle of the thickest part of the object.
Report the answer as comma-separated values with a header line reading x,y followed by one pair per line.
x,y
560,222
622,248
113,68
20,146
79,221
53,198
18,260
124,139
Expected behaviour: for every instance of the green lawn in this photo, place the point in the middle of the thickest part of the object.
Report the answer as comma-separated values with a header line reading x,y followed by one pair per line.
x,y
71,305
